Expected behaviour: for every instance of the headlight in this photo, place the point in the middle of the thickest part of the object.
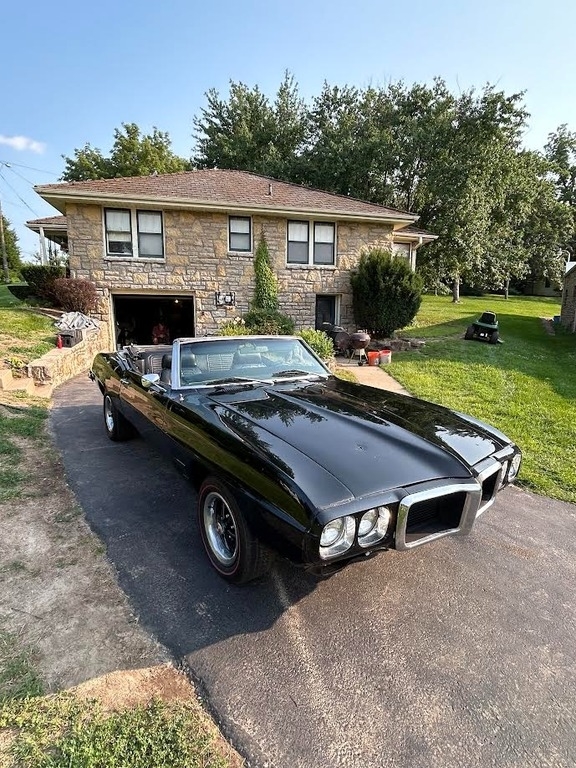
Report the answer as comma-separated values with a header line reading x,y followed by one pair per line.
x,y
373,526
514,467
337,536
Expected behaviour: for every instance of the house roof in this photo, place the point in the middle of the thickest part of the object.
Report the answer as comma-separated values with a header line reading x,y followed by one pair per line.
x,y
415,233
49,222
216,189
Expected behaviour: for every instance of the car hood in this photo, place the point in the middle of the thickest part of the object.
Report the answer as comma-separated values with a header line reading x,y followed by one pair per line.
x,y
367,440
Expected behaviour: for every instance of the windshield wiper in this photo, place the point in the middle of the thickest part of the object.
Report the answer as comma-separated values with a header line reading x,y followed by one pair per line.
x,y
297,372
237,380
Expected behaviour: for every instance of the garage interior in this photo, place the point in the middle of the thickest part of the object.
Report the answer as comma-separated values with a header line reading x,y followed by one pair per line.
x,y
135,316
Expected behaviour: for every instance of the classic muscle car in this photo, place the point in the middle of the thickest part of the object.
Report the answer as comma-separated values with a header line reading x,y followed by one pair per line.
x,y
288,458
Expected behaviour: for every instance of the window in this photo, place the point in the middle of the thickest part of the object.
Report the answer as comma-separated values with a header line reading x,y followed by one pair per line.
x,y
240,233
323,243
150,241
298,242
118,233
319,251
120,225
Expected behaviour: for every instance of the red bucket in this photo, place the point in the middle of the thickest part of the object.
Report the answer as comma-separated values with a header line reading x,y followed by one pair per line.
x,y
373,358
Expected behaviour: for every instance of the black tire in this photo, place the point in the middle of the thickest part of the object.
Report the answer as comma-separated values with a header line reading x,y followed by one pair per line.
x,y
469,333
494,336
235,554
117,428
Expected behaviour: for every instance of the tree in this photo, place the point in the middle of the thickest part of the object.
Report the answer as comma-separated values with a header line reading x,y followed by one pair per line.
x,y
132,154
386,294
248,132
560,151
13,259
265,284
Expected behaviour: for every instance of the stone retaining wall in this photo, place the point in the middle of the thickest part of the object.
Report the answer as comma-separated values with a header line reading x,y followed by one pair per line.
x,y
59,365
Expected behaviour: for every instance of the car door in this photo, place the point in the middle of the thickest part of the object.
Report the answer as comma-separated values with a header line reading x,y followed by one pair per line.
x,y
145,408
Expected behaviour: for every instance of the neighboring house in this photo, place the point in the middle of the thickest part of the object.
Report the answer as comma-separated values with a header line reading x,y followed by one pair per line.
x,y
568,311
179,247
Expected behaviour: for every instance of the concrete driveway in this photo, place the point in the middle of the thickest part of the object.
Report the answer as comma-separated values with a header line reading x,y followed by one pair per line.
x,y
461,653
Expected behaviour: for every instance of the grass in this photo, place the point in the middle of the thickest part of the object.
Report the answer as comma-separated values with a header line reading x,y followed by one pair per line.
x,y
17,423
60,731
24,334
18,677
526,387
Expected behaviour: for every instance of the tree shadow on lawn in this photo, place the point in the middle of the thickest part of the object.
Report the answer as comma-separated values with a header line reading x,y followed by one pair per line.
x,y
526,349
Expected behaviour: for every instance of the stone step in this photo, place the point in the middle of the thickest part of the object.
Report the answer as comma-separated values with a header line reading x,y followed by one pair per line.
x,y
10,383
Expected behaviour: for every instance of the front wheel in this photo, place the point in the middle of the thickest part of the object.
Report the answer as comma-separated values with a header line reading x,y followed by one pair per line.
x,y
494,337
117,428
231,548
469,333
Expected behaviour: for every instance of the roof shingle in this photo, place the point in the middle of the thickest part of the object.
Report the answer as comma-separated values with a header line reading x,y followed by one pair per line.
x,y
222,187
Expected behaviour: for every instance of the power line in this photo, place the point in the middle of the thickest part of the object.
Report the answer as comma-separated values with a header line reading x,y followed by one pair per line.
x,y
28,167
17,195
20,175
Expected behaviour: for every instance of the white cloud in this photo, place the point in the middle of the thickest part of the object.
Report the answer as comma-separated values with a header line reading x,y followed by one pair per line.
x,y
23,143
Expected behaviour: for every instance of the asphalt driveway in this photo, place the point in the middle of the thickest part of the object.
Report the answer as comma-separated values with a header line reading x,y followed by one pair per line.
x,y
461,653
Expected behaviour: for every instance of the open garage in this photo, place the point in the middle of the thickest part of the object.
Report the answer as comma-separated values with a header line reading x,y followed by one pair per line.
x,y
136,315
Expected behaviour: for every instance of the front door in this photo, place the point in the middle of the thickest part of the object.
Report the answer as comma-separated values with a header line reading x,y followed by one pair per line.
x,y
325,311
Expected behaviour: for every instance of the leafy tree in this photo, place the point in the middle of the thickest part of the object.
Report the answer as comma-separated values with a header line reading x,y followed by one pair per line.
x,y
266,285
248,132
132,154
560,151
386,294
12,252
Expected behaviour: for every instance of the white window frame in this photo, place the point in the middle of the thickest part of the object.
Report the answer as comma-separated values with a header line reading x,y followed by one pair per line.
x,y
311,224
240,250
134,235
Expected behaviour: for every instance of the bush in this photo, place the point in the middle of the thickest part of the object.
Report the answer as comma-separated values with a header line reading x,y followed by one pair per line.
x,y
319,341
21,292
236,327
266,286
266,321
40,279
386,293
75,295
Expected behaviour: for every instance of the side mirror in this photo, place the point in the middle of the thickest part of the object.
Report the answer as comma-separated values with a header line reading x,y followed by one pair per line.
x,y
150,379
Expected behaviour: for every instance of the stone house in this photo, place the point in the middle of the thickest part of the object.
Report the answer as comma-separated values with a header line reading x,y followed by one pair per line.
x,y
179,247
568,311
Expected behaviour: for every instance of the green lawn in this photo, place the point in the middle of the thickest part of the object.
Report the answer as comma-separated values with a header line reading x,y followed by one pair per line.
x,y
526,387
24,334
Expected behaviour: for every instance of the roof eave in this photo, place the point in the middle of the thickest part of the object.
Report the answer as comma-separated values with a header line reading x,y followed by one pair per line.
x,y
59,200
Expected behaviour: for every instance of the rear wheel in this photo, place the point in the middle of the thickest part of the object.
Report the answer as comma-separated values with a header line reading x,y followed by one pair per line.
x,y
117,427
231,548
469,333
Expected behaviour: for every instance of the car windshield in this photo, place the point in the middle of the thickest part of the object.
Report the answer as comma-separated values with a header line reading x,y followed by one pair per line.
x,y
246,360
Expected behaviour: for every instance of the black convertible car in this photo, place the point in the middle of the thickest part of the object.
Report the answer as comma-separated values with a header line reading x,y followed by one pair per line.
x,y
288,458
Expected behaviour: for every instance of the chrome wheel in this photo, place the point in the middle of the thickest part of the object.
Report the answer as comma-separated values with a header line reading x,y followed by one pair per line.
x,y
109,414
220,528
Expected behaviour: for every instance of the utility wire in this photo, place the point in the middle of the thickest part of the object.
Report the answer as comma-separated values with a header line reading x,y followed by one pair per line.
x,y
20,175
17,195
28,167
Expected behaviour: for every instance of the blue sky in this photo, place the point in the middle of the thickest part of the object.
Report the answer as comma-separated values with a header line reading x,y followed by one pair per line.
x,y
72,72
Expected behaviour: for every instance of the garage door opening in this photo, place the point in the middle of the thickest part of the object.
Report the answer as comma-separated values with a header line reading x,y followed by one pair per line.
x,y
136,316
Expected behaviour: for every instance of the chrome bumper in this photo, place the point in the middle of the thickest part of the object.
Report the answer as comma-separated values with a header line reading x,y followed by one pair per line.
x,y
470,498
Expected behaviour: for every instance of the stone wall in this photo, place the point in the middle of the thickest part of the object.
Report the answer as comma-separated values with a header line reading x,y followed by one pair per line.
x,y
568,312
197,263
59,365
